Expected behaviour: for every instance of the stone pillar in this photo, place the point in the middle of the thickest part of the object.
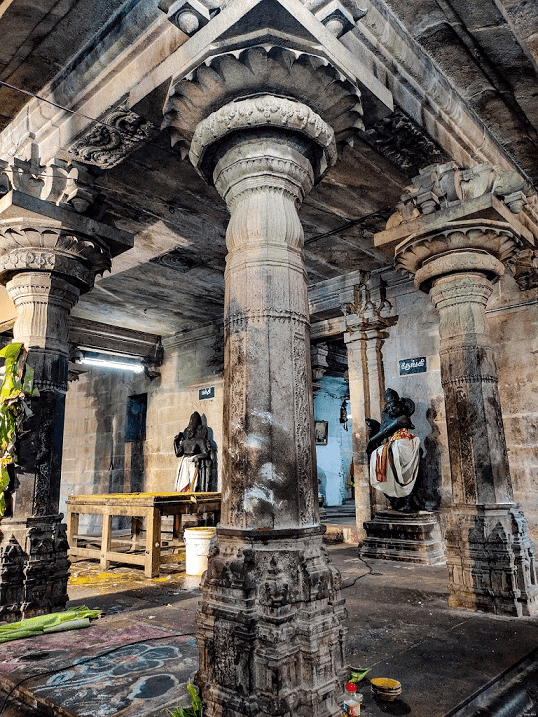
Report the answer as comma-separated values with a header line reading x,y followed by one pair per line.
x,y
490,557
366,329
269,624
44,268
318,359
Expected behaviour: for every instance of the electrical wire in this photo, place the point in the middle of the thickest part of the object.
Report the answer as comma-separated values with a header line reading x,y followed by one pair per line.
x,y
86,660
346,585
348,225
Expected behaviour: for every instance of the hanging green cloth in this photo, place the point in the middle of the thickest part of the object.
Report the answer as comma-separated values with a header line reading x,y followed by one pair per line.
x,y
70,619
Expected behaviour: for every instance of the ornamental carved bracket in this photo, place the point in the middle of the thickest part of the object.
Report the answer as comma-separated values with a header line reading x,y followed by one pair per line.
x,y
404,143
442,186
109,140
445,198
524,268
66,185
370,308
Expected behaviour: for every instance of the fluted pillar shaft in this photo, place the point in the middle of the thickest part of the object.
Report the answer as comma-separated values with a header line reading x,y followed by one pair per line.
x,y
269,623
476,442
268,444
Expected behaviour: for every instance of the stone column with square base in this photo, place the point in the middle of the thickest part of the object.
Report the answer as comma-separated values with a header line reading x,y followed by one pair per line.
x,y
367,323
270,622
262,116
461,227
45,264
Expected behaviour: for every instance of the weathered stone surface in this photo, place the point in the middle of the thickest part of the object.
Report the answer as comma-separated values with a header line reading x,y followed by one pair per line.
x,y
269,626
413,538
459,268
270,509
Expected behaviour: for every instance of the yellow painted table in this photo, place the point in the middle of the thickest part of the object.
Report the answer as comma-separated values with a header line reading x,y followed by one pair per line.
x,y
151,506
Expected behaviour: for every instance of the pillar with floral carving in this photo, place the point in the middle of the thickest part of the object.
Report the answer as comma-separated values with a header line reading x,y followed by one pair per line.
x,y
49,255
456,258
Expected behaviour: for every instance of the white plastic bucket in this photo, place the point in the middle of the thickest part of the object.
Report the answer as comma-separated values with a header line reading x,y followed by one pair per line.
x,y
197,544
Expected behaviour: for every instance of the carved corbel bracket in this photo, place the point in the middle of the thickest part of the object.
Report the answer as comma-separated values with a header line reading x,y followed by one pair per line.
x,y
446,200
370,309
403,142
112,137
59,182
524,268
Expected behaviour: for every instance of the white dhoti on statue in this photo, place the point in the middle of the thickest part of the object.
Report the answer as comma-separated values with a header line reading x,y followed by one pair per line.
x,y
394,466
187,474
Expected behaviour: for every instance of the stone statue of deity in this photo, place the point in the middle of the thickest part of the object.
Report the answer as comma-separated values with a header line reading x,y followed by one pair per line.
x,y
394,452
193,449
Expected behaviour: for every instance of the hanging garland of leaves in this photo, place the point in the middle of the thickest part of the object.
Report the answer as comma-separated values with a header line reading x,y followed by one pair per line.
x,y
16,389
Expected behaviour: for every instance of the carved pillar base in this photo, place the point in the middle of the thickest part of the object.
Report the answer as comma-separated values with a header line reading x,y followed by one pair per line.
x,y
269,628
491,560
34,568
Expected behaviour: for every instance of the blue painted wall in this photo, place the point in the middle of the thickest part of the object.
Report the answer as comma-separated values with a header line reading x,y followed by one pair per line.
x,y
333,459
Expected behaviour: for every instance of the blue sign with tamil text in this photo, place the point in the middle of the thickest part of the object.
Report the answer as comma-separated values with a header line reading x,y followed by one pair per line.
x,y
206,392
413,365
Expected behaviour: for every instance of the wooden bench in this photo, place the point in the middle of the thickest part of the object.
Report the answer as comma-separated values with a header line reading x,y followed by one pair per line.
x,y
148,506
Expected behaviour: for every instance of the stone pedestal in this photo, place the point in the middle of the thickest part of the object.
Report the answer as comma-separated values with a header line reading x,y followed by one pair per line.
x,y
269,625
270,634
408,537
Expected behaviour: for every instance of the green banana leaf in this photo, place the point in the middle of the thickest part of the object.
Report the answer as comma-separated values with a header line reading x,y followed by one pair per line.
x,y
46,623
16,388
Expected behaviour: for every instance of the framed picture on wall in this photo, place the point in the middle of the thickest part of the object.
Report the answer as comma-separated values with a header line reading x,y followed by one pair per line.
x,y
321,431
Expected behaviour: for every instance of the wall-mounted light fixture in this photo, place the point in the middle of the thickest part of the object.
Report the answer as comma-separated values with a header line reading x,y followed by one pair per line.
x,y
122,362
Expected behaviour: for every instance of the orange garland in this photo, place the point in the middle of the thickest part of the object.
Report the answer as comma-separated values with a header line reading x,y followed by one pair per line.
x,y
381,459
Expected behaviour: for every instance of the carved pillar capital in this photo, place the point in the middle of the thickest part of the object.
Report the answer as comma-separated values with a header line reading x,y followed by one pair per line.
x,y
43,302
258,117
35,247
465,246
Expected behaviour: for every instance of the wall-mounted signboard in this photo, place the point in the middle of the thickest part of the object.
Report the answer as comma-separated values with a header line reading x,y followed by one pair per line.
x,y
206,392
413,365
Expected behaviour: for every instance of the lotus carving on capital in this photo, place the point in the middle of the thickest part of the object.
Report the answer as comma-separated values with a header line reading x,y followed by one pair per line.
x,y
52,249
264,70
468,244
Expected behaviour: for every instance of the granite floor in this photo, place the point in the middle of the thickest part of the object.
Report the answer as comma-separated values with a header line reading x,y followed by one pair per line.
x,y
137,659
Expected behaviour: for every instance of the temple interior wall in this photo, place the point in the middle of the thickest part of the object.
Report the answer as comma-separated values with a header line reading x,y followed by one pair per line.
x,y
97,459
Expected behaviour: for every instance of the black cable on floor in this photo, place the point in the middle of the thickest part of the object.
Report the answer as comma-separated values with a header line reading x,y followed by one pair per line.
x,y
84,661
345,585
